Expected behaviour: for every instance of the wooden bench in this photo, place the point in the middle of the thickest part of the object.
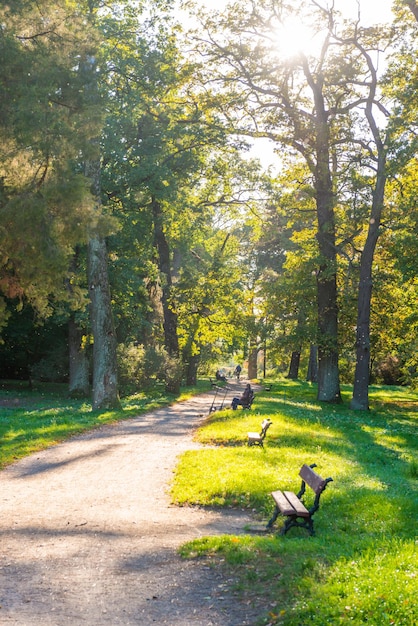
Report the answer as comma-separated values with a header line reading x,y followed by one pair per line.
x,y
291,506
257,439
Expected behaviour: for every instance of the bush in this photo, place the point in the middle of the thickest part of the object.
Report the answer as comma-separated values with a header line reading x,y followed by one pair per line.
x,y
388,371
140,367
131,359
53,367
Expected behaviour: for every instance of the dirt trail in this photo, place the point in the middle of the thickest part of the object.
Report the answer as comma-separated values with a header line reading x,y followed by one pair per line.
x,y
88,535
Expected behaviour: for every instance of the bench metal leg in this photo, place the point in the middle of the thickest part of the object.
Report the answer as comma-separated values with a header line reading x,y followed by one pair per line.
x,y
293,521
290,522
273,519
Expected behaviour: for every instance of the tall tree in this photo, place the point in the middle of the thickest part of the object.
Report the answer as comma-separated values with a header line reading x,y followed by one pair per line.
x,y
382,148
380,140
172,169
105,381
321,103
45,203
295,102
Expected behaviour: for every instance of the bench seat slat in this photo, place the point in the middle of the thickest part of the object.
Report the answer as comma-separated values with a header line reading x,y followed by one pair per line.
x,y
258,438
289,503
283,503
299,507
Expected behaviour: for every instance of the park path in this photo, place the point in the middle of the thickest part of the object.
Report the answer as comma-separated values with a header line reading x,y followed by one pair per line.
x,y
88,535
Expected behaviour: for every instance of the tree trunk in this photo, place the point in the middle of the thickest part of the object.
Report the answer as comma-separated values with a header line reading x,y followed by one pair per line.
x,y
413,5
360,399
105,382
170,317
79,363
312,375
252,361
191,354
264,360
328,372
154,316
191,370
294,365
328,379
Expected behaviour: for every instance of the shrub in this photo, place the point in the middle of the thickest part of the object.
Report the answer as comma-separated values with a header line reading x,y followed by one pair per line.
x,y
53,367
131,368
140,367
388,370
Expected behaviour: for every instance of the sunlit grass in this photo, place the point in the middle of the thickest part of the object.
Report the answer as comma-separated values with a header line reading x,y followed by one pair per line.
x,y
376,587
361,566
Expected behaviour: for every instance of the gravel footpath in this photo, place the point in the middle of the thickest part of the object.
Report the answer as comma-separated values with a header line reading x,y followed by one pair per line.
x,y
88,535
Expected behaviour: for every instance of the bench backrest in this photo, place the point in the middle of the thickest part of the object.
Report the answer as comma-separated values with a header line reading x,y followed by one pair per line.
x,y
311,478
315,482
265,425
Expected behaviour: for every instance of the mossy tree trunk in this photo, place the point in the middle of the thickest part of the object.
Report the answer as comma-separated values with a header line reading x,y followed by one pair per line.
x,y
79,386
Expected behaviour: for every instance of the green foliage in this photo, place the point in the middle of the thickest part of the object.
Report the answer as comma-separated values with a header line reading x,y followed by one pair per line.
x,y
361,566
140,367
242,248
33,350
164,146
132,370
52,368
45,202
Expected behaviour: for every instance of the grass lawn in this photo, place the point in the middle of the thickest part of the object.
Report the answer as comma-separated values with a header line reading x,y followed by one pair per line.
x,y
361,566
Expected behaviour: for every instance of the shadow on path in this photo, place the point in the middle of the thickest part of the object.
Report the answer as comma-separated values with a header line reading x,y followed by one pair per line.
x,y
88,534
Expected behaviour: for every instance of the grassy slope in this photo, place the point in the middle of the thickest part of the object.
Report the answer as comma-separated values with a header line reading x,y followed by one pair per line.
x,y
361,565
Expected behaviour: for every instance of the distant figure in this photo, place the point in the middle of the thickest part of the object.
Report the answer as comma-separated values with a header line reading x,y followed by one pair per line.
x,y
237,372
220,376
245,399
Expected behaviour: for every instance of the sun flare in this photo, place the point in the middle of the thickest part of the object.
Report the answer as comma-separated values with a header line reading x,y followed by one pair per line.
x,y
293,38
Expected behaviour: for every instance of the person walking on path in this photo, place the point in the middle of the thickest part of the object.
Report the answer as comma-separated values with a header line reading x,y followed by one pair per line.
x,y
237,372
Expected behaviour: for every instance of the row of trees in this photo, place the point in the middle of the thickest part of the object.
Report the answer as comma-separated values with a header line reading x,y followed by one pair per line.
x,y
131,214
